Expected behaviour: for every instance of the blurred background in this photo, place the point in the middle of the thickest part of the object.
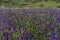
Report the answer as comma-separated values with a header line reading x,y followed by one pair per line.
x,y
30,3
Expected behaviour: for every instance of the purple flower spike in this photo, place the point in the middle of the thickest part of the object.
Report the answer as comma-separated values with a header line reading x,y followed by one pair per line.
x,y
58,18
47,25
6,36
52,37
14,30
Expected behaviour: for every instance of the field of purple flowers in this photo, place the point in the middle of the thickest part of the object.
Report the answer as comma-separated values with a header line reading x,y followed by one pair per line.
x,y
30,24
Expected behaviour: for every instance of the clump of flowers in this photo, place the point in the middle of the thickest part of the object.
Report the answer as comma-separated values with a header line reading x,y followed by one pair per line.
x,y
29,24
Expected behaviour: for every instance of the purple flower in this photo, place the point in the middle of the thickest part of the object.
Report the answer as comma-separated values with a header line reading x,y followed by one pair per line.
x,y
39,35
14,29
57,18
47,25
52,37
6,36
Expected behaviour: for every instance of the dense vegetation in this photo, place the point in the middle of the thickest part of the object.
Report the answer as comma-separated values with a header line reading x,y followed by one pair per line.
x,y
30,20
30,3
29,24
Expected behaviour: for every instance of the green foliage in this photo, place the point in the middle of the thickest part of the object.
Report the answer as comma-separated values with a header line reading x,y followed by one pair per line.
x,y
30,3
